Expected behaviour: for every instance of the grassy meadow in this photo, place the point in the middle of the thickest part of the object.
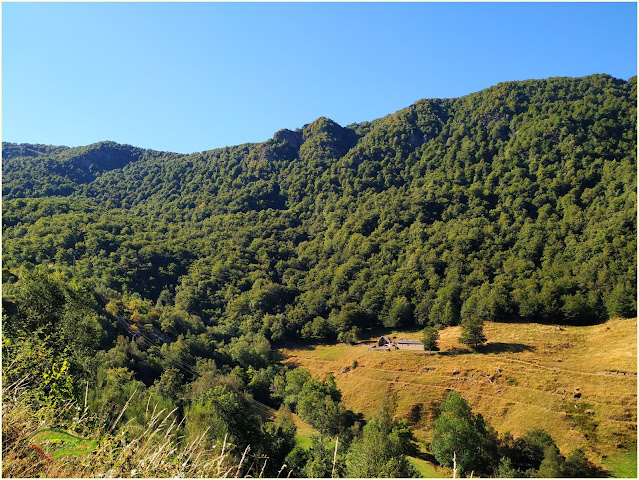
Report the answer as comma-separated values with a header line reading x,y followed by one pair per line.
x,y
577,383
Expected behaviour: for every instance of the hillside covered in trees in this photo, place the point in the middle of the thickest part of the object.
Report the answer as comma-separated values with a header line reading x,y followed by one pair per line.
x,y
155,270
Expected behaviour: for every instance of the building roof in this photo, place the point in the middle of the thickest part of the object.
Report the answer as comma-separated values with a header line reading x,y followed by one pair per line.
x,y
410,341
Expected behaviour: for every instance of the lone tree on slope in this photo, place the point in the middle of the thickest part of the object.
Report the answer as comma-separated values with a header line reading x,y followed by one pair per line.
x,y
472,332
431,335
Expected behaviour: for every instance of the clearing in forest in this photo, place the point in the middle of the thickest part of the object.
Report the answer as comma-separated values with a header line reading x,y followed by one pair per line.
x,y
577,383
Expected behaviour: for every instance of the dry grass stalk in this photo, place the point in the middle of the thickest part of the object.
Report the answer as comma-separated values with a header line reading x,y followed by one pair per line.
x,y
126,405
246,450
280,470
149,454
263,467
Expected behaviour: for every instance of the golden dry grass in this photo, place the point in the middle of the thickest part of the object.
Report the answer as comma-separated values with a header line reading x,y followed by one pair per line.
x,y
527,377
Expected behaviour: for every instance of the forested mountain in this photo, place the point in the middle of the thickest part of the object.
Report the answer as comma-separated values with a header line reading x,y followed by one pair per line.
x,y
515,202
518,200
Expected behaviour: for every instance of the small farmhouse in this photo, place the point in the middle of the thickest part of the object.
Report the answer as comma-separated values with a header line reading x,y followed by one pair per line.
x,y
410,345
385,343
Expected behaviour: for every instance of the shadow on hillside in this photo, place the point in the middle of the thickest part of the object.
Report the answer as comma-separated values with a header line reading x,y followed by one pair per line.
x,y
454,352
295,346
294,365
501,347
495,347
546,321
427,457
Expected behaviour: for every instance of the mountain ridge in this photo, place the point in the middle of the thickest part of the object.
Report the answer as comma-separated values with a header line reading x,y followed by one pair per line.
x,y
529,182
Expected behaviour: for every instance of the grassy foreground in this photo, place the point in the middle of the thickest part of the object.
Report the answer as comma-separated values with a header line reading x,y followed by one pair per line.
x,y
577,383
155,451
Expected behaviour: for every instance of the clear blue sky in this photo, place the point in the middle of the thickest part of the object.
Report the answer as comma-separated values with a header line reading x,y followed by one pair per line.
x,y
188,77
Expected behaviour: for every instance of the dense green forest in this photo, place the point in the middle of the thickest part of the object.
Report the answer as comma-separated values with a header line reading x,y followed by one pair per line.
x,y
171,277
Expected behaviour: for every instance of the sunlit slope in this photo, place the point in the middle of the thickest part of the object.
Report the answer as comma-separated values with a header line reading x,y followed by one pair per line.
x,y
577,383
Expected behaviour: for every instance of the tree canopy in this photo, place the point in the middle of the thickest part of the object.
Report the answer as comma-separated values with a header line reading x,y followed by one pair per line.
x,y
518,201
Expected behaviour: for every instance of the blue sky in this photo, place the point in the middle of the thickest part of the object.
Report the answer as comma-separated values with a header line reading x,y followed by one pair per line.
x,y
188,77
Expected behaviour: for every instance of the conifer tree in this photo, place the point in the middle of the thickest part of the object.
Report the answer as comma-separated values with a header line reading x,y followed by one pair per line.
x,y
472,332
